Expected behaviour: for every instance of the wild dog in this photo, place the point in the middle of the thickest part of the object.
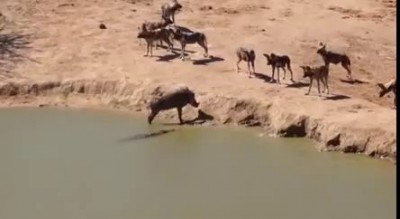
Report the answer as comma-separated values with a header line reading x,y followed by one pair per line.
x,y
185,38
279,62
180,28
335,58
386,88
175,28
153,25
247,55
153,35
319,73
168,10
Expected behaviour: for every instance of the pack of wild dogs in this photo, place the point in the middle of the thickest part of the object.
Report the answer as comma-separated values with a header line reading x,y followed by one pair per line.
x,y
166,31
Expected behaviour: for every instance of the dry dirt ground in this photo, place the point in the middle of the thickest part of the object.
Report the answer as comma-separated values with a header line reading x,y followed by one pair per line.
x,y
67,43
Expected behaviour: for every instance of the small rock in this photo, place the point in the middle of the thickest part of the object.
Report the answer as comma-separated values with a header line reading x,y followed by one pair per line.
x,y
263,30
102,26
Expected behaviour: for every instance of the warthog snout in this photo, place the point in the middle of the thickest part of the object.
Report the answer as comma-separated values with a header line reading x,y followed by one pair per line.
x,y
194,103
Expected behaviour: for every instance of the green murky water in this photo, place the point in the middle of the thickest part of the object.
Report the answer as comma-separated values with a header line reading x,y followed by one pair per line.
x,y
57,164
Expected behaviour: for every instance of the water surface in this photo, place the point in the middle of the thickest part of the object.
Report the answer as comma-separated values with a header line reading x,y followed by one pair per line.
x,y
65,164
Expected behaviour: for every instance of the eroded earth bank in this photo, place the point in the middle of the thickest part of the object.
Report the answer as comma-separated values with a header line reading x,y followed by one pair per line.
x,y
359,127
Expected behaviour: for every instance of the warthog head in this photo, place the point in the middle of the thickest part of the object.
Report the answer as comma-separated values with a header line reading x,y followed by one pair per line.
x,y
192,100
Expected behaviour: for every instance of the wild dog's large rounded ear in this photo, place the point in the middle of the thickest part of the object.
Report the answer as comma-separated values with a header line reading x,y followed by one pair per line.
x,y
143,27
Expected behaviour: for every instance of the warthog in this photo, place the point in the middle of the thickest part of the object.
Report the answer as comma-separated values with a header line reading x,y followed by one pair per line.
x,y
177,98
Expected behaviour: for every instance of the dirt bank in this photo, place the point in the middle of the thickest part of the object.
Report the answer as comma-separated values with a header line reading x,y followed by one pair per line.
x,y
349,132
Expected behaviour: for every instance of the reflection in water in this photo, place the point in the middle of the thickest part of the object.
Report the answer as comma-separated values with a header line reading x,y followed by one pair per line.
x,y
71,164
149,135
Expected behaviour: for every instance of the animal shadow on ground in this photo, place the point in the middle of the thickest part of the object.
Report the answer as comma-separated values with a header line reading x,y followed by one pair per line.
x,y
201,118
205,61
175,49
355,81
12,46
337,97
168,57
148,135
298,84
264,77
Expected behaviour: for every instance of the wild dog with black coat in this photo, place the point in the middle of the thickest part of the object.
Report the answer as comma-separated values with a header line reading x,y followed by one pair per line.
x,y
153,25
153,35
335,58
279,62
185,38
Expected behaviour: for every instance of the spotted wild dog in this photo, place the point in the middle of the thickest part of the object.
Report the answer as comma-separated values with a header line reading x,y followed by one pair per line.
x,y
153,25
335,58
150,36
169,9
277,62
386,88
319,73
247,55
185,38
